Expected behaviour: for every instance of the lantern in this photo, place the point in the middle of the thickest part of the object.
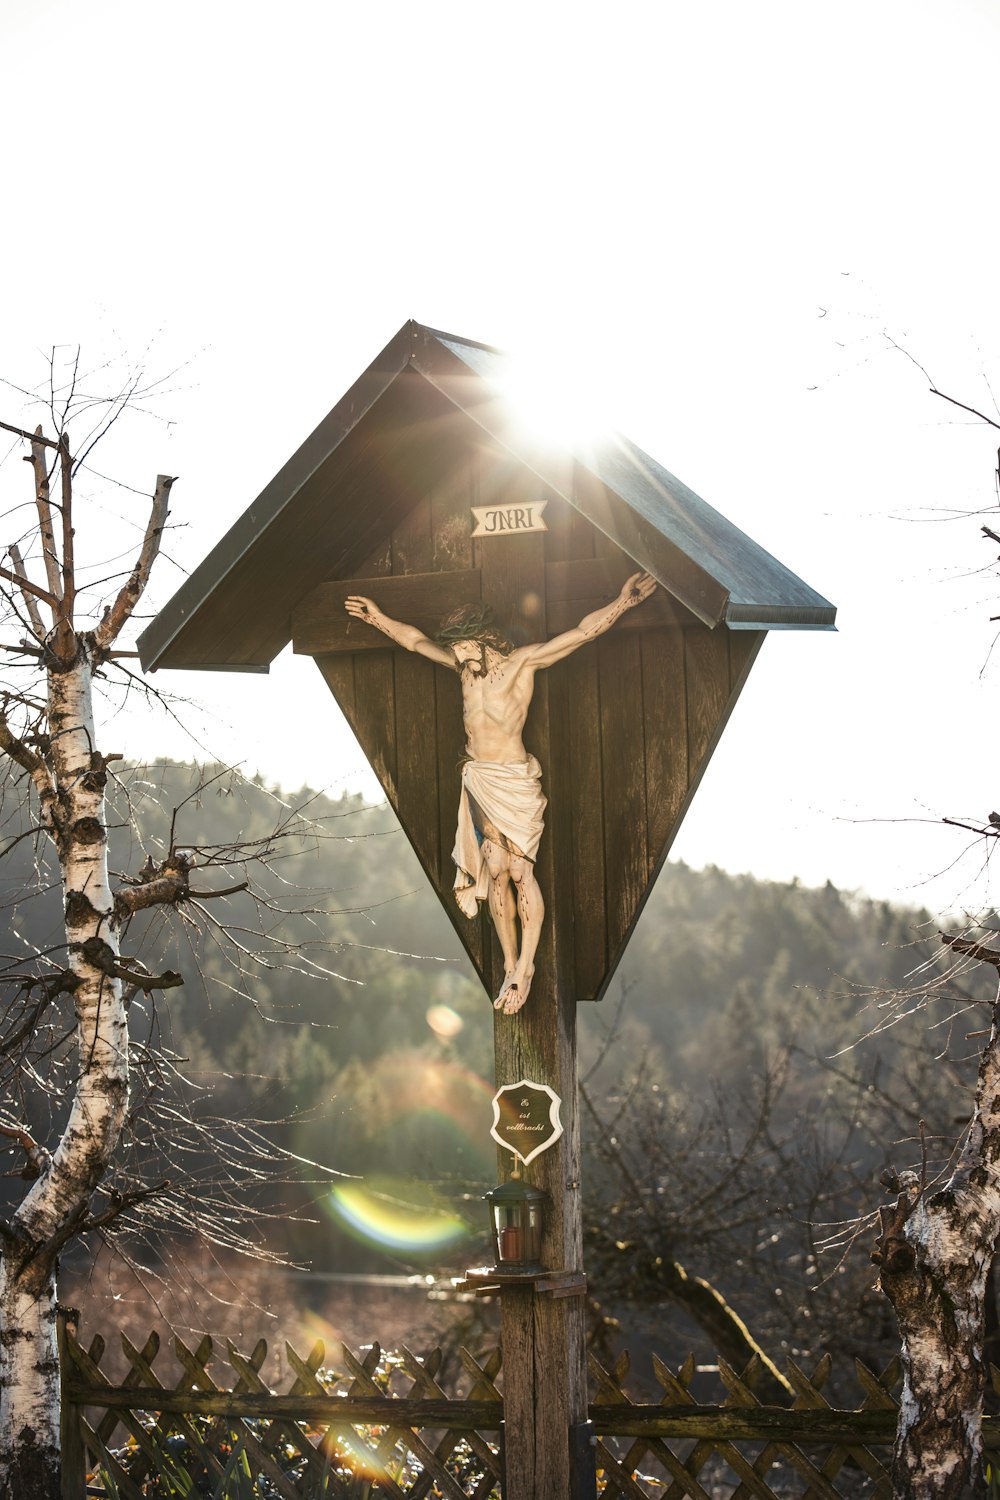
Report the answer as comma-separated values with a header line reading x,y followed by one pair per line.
x,y
517,1225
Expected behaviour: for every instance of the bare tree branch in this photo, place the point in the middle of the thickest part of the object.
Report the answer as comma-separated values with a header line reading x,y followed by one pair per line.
x,y
131,591
37,1156
31,437
68,563
972,410
971,950
30,588
44,507
29,598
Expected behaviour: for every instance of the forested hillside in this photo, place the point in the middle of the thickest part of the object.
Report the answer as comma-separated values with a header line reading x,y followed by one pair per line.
x,y
742,1087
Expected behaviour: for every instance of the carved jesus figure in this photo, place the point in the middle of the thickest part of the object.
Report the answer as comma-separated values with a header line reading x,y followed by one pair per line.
x,y
500,816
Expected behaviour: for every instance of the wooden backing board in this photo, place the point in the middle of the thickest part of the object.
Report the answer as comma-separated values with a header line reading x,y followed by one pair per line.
x,y
623,728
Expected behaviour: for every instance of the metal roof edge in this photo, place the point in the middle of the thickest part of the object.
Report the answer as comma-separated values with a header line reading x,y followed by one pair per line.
x,y
457,338
663,524
278,493
780,617
440,364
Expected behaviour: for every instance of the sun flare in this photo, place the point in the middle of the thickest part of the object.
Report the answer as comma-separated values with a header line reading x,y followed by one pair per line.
x,y
555,404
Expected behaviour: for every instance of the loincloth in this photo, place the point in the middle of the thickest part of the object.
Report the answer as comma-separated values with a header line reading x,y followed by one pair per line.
x,y
508,796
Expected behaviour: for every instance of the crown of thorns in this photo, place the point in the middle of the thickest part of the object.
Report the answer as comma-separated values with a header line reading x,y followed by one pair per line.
x,y
472,622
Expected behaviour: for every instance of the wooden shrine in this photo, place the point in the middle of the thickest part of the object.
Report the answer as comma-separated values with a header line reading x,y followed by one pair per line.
x,y
423,490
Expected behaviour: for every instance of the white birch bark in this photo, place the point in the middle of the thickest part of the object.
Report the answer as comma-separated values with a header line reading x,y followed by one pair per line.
x,y
29,1362
934,1253
68,775
57,1200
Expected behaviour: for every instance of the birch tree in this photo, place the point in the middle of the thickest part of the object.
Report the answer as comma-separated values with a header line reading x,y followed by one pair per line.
x,y
70,1128
49,733
937,1240
934,1250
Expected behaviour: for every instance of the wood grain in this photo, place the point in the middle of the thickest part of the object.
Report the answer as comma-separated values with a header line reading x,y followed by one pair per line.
x,y
623,769
584,871
664,700
321,624
374,716
707,677
417,756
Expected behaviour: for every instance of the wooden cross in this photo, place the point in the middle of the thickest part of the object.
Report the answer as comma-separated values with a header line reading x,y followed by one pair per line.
x,y
618,736
419,490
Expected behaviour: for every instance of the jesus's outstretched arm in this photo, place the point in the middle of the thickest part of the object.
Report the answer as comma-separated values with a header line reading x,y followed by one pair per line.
x,y
407,636
633,592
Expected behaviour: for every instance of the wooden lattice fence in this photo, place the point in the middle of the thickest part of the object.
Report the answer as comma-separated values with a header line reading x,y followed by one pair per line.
x,y
382,1425
380,1421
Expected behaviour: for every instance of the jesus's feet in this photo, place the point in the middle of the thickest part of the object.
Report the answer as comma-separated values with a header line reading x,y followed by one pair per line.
x,y
514,991
508,980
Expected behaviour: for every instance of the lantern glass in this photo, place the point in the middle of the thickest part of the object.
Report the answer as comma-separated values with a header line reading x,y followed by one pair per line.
x,y
517,1225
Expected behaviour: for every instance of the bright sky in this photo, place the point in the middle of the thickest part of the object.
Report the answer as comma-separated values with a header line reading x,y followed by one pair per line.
x,y
712,211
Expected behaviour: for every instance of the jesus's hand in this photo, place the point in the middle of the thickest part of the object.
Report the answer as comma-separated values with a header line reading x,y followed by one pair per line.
x,y
362,608
636,589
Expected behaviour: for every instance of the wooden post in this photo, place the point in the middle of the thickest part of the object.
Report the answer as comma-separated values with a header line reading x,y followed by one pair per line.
x,y
73,1467
542,1335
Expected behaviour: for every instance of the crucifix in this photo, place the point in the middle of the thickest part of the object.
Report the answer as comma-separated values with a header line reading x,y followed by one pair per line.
x,y
420,488
501,805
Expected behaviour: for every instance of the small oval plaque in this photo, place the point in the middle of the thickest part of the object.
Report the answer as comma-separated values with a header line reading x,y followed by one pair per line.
x,y
526,1118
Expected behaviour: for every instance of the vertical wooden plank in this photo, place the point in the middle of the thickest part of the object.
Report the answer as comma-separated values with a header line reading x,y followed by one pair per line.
x,y
560,818
543,1338
451,517
338,674
626,859
72,1451
536,1333
412,543
556,544
378,563
664,697
375,715
416,756
707,675
411,551
585,869
604,547
743,648
560,518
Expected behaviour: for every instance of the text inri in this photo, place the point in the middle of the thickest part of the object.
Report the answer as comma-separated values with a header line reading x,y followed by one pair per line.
x,y
509,520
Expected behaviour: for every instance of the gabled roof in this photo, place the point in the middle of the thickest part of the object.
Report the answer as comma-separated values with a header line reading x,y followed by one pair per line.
x,y
361,469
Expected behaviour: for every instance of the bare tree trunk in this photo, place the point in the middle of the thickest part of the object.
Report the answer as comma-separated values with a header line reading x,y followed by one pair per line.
x,y
934,1253
29,1361
56,746
73,811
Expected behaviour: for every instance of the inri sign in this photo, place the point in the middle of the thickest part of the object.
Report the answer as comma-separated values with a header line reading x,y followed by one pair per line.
x,y
509,520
